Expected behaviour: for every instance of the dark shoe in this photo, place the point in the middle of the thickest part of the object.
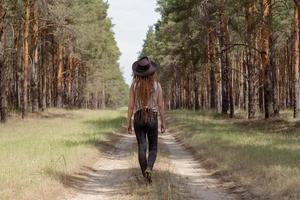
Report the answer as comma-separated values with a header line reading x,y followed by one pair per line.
x,y
144,174
148,175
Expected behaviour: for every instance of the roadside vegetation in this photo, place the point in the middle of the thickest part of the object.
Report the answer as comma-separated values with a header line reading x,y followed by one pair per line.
x,y
263,156
34,150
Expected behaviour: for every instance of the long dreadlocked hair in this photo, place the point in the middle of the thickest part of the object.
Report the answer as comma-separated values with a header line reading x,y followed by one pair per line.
x,y
144,89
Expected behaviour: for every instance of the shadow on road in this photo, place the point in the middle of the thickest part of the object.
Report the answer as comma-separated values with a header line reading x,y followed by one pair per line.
x,y
94,182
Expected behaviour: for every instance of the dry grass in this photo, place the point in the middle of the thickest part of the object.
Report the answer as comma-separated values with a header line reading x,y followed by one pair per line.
x,y
261,155
56,140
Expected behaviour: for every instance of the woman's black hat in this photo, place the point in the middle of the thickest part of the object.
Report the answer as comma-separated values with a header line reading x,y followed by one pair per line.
x,y
144,67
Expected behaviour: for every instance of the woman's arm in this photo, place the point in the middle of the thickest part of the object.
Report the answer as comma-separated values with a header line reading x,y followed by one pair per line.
x,y
161,109
130,109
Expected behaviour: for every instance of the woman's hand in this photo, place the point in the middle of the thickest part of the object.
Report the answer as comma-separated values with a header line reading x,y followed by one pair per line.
x,y
162,128
129,128
130,109
161,109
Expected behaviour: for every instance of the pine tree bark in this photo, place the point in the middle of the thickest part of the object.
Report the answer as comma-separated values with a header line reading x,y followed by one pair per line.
x,y
69,80
3,71
224,58
250,59
231,98
44,65
25,58
35,56
212,65
52,76
230,75
245,80
296,77
290,70
265,56
2,16
59,76
195,83
16,58
196,93
274,77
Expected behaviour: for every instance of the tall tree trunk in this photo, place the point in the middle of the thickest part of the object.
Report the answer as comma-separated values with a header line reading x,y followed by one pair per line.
x,y
296,63
231,98
3,71
52,76
290,72
195,83
196,93
2,17
245,83
34,70
59,76
16,58
212,70
44,65
69,80
230,74
224,58
251,67
25,58
274,72
265,56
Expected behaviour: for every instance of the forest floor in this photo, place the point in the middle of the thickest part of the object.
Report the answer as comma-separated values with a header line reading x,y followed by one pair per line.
x,y
87,155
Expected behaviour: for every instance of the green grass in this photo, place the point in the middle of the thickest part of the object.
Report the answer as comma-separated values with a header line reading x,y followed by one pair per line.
x,y
262,155
56,140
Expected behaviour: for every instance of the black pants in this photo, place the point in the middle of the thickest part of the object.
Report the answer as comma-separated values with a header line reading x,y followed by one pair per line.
x,y
146,131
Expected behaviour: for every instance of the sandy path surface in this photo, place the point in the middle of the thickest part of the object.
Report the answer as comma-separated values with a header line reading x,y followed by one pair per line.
x,y
107,179
197,181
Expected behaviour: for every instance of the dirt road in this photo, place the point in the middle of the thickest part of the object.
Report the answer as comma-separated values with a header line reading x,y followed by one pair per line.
x,y
108,178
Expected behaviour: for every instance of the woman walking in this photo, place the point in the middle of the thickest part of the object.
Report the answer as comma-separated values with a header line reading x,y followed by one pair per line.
x,y
145,102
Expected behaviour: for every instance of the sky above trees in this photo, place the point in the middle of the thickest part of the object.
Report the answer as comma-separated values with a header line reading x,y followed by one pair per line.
x,y
131,19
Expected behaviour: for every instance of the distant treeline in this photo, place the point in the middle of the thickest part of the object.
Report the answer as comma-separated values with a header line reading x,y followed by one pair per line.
x,y
58,53
224,55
